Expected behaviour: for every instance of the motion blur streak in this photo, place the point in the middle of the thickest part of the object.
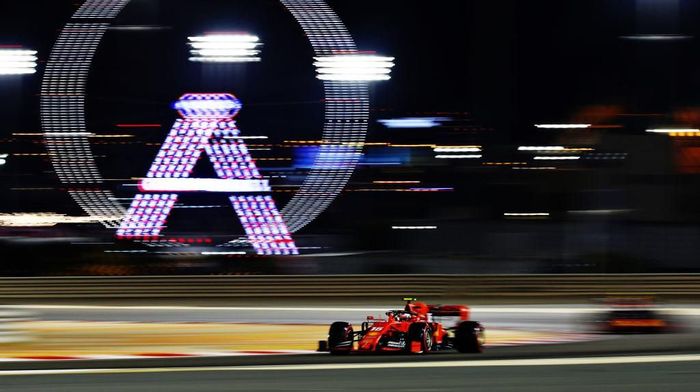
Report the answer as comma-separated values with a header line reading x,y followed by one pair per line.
x,y
562,126
541,148
673,130
457,149
44,219
557,158
656,37
400,365
413,122
459,156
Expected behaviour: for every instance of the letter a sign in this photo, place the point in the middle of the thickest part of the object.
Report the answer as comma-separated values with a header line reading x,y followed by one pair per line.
x,y
207,125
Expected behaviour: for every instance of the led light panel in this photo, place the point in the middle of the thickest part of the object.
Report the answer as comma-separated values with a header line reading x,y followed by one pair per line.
x,y
225,48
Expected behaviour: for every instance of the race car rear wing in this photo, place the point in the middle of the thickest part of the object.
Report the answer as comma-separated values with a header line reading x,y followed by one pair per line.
x,y
460,311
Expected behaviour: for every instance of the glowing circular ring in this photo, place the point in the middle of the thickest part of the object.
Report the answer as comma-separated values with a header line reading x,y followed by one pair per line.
x,y
63,112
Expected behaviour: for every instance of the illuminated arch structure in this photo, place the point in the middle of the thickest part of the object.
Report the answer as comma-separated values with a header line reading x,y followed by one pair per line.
x,y
207,125
63,96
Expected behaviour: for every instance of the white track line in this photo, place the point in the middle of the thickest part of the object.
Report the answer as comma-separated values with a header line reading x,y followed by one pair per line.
x,y
395,365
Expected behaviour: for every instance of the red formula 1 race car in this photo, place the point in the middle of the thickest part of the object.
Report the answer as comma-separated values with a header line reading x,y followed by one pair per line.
x,y
634,315
417,329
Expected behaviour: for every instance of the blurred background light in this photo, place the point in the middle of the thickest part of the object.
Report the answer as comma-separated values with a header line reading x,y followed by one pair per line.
x,y
202,185
459,156
17,61
413,227
42,219
526,215
68,134
541,148
562,126
413,122
225,48
354,67
222,253
555,158
396,182
674,130
656,37
457,148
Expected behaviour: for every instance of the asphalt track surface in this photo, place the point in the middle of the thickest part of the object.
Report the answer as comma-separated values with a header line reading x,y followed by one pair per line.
x,y
651,373
498,369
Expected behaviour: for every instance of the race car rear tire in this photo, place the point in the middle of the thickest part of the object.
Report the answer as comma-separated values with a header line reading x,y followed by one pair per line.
x,y
469,337
419,338
340,338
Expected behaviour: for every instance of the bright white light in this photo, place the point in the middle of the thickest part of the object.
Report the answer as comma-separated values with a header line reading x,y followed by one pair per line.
x,y
206,104
562,126
526,214
224,52
225,48
413,227
672,130
202,185
17,62
221,253
459,156
3,159
457,149
541,148
556,158
10,63
224,45
354,71
225,38
46,219
413,122
68,134
354,67
355,77
17,71
225,59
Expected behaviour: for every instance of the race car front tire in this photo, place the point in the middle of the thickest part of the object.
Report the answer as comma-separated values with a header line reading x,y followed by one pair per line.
x,y
420,338
469,337
340,338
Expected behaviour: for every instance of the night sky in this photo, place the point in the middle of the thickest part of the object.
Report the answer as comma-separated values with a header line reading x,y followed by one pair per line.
x,y
496,67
